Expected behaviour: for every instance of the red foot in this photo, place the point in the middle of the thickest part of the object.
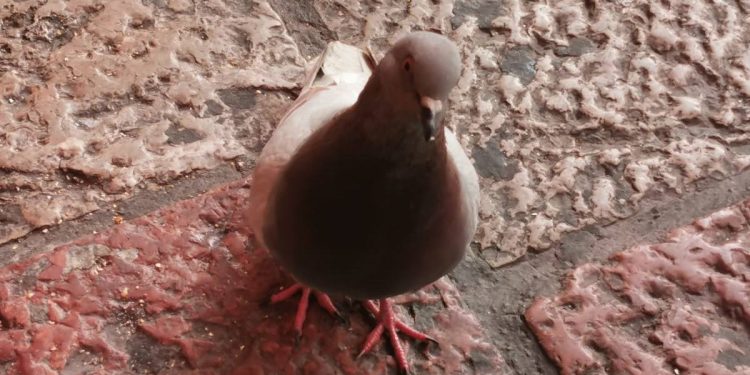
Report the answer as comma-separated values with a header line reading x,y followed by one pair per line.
x,y
389,323
299,319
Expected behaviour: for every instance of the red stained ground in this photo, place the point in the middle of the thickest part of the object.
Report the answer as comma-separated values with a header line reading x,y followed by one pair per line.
x,y
183,291
679,307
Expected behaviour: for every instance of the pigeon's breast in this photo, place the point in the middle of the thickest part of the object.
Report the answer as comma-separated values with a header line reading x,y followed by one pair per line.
x,y
364,225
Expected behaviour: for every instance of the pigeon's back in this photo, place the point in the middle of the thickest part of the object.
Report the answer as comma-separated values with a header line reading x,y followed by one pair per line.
x,y
332,85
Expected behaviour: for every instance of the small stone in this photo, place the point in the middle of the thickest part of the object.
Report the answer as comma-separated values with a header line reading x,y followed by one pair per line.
x,y
492,162
178,135
213,108
238,98
576,47
519,62
84,257
483,10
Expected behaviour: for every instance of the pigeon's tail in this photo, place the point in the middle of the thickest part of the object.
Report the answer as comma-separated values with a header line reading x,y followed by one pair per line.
x,y
340,63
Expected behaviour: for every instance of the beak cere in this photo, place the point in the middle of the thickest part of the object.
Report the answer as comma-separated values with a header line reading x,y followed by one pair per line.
x,y
429,116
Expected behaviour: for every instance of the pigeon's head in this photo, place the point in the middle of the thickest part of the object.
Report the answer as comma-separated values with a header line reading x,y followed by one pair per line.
x,y
419,72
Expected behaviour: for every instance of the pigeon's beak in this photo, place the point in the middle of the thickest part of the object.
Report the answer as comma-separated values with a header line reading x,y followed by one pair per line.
x,y
431,108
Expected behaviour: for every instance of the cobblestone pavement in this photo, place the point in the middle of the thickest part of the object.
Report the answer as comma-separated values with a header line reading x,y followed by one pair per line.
x,y
597,127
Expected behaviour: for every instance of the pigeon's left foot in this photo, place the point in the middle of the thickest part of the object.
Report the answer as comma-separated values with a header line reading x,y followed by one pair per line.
x,y
389,323
299,319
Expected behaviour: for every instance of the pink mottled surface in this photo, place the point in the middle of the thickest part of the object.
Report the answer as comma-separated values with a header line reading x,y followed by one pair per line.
x,y
183,291
682,306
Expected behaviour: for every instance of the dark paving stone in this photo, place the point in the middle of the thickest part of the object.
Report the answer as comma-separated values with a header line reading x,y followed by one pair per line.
x,y
238,98
213,108
179,135
520,62
577,47
305,25
10,214
491,162
484,10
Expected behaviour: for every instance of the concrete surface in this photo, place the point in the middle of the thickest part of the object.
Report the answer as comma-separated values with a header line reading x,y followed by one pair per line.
x,y
595,126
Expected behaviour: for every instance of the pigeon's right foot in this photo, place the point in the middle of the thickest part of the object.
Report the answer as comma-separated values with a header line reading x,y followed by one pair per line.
x,y
299,320
390,325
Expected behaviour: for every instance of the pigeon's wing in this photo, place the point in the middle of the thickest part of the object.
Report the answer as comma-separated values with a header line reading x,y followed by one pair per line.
x,y
468,180
333,85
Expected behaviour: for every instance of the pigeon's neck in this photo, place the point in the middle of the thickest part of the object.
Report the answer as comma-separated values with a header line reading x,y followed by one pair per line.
x,y
386,128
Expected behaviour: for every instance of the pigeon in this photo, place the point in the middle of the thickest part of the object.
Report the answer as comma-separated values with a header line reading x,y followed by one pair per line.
x,y
362,191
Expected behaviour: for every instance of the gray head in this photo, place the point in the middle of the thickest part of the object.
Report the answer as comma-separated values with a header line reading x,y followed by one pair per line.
x,y
418,73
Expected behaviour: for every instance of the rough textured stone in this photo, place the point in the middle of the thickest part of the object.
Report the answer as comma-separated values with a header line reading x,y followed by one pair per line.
x,y
93,90
682,306
598,103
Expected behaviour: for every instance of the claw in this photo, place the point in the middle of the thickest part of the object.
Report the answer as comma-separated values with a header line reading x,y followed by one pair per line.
x,y
370,306
413,333
299,319
372,339
325,301
388,323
